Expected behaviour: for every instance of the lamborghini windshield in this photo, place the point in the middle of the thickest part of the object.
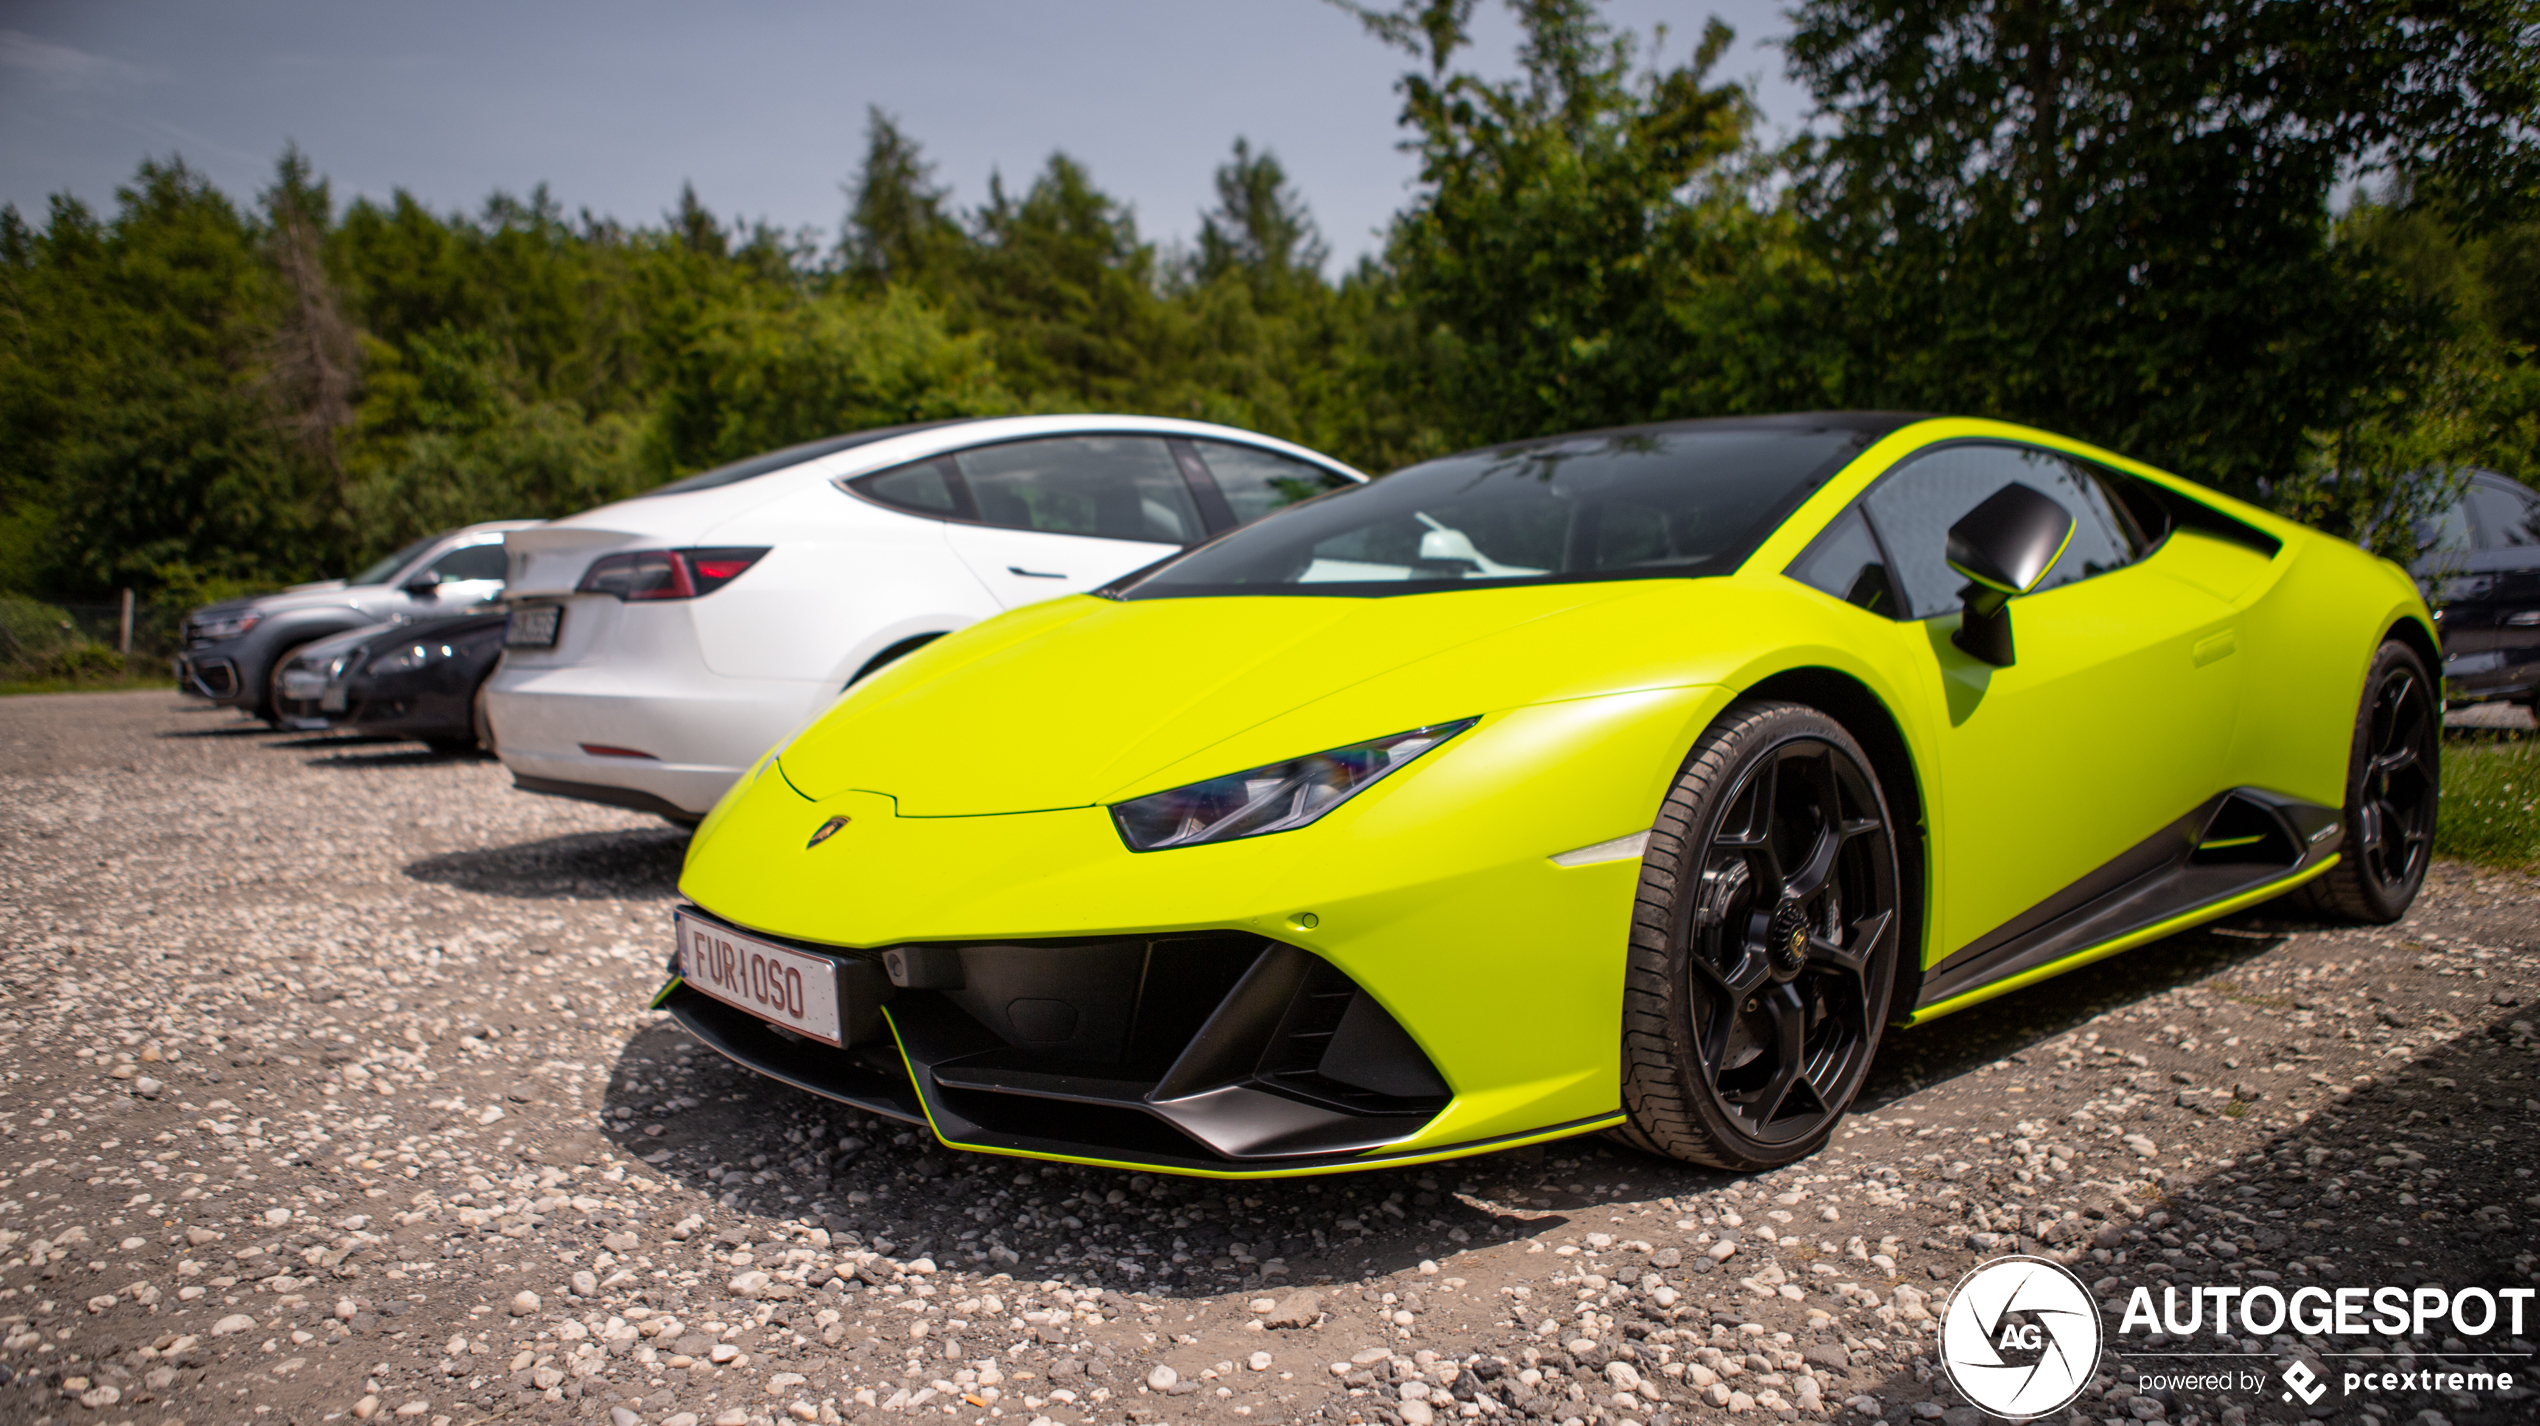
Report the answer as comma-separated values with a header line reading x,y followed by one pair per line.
x,y
1690,499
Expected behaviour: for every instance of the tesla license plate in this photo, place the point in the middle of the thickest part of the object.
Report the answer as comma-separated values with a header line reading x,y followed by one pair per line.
x,y
780,986
534,627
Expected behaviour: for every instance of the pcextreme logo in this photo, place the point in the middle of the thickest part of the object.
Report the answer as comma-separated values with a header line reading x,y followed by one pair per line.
x,y
2021,1337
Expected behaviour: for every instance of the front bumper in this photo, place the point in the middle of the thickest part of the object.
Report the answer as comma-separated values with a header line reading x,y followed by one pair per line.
x,y
1432,896
208,675
1217,1053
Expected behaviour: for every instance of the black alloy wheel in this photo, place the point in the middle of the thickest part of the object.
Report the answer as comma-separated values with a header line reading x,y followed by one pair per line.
x,y
2394,789
1765,952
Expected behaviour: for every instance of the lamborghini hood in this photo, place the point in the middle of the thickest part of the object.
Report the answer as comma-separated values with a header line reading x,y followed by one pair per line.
x,y
1083,701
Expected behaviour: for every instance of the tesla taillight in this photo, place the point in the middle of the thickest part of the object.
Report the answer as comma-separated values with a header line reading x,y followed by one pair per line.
x,y
666,574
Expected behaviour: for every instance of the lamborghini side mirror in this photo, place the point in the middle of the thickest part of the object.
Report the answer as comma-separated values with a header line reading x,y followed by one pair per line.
x,y
2004,547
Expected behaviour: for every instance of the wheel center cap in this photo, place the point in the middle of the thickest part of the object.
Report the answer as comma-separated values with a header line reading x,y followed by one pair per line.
x,y
1786,944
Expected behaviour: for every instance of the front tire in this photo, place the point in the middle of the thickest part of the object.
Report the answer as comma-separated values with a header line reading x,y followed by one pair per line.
x,y
1764,943
2394,789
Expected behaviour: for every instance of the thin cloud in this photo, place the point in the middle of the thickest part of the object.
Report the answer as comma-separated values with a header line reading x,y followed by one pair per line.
x,y
61,63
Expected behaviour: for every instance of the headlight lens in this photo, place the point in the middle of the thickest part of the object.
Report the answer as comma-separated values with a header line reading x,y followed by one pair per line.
x,y
215,630
1277,797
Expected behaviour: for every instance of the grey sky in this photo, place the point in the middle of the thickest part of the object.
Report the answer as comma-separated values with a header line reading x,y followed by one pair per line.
x,y
760,104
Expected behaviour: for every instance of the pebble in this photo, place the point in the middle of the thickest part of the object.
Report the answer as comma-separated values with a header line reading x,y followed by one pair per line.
x,y
2046,1123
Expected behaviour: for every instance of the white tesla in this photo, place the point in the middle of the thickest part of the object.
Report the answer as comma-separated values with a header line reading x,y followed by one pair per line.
x,y
660,644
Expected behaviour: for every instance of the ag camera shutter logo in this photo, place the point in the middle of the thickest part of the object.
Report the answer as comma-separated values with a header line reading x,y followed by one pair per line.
x,y
2021,1337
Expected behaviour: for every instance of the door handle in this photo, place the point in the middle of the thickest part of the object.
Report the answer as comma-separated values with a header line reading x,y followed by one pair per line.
x,y
2524,619
1032,573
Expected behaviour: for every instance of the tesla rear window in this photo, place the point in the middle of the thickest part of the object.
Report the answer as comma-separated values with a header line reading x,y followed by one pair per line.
x,y
1678,501
777,460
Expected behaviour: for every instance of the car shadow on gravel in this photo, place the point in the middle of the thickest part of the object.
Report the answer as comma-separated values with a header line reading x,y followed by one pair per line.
x,y
409,755
635,864
775,1152
2415,1175
1911,1059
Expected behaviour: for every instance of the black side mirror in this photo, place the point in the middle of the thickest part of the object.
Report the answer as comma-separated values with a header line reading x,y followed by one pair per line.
x,y
2004,547
423,585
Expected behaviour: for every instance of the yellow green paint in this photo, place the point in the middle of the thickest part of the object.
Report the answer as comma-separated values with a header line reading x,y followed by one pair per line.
x,y
977,773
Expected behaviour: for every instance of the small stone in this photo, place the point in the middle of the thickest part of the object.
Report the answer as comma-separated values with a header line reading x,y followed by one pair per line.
x,y
1260,1305
734,1417
147,1087
233,1323
620,1416
1297,1309
1258,1361
524,1303
1623,1375
586,1284
751,1284
723,1353
1162,1378
366,1408
414,1408
1417,1413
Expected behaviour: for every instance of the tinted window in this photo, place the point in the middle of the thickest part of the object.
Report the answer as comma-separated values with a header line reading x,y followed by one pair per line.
x,y
1914,506
2448,533
378,573
928,487
1844,561
2507,519
777,460
1638,504
1115,487
1257,482
473,562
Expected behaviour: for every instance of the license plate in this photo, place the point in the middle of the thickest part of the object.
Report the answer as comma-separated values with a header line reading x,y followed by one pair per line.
x,y
534,627
780,986
335,700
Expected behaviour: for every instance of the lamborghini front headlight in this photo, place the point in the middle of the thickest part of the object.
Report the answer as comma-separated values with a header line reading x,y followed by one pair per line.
x,y
1276,797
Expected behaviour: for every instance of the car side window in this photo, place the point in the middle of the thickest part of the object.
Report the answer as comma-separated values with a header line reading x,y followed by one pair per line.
x,y
1113,487
2507,519
926,487
1256,482
471,562
1913,506
1846,562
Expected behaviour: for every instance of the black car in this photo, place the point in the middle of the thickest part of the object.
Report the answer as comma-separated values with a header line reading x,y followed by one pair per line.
x,y
424,679
2482,575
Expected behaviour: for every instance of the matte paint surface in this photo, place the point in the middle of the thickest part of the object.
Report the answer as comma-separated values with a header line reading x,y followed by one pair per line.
x,y
976,771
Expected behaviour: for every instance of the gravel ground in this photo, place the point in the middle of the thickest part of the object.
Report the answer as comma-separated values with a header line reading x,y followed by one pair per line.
x,y
330,1094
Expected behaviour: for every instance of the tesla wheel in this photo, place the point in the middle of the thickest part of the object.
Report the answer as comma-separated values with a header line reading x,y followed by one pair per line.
x,y
1764,943
2394,785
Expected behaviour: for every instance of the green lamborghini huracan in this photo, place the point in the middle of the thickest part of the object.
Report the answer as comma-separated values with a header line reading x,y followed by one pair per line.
x,y
1635,780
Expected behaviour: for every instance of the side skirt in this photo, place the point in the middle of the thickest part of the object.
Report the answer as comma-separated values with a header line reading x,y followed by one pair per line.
x,y
2234,850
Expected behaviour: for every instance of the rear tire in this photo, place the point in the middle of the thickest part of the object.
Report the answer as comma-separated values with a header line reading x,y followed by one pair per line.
x,y
1764,943
2394,789
480,716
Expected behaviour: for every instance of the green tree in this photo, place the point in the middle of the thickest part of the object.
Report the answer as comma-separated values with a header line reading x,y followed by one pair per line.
x,y
1566,224
2111,217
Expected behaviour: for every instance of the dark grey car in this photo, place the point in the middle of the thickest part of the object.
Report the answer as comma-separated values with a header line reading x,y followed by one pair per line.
x,y
2482,576
235,651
